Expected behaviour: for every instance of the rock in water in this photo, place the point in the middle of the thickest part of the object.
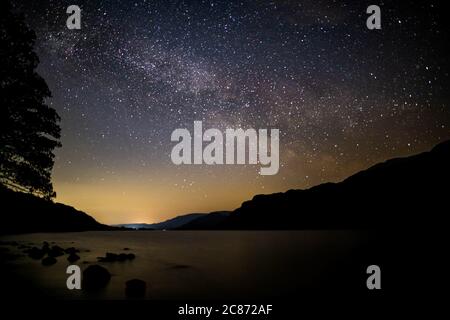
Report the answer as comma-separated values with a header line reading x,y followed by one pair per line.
x,y
110,257
48,261
73,257
36,253
55,251
71,250
122,257
113,257
135,288
45,247
95,277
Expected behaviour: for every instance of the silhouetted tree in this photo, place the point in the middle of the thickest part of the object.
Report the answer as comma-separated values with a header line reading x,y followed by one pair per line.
x,y
29,128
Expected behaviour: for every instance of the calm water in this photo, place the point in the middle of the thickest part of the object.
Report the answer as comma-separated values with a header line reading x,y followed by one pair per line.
x,y
195,264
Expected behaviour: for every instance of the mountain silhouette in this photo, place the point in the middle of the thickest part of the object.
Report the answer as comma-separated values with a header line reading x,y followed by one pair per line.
x,y
400,192
172,223
207,221
23,213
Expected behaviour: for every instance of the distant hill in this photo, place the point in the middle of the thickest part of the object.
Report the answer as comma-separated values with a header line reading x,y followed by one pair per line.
x,y
402,192
22,213
173,223
207,221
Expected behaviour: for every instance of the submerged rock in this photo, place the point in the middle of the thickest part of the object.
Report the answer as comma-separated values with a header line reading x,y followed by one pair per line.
x,y
71,250
73,257
48,261
112,257
35,253
95,277
180,266
55,251
122,257
45,247
135,288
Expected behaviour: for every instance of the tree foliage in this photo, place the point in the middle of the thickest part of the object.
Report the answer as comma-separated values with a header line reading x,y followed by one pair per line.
x,y
29,128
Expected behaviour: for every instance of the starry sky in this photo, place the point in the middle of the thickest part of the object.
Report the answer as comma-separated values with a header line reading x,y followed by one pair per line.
x,y
343,97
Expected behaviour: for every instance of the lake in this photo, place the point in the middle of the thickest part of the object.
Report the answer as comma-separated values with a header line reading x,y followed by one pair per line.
x,y
196,264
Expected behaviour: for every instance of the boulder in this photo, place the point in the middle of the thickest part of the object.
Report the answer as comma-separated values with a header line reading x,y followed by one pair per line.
x,y
73,257
113,257
48,261
95,277
135,288
122,257
45,247
55,251
109,257
35,253
71,250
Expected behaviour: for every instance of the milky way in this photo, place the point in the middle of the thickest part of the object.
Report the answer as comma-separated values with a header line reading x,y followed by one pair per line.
x,y
343,97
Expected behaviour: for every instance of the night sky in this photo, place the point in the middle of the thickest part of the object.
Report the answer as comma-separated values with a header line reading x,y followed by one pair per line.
x,y
343,97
